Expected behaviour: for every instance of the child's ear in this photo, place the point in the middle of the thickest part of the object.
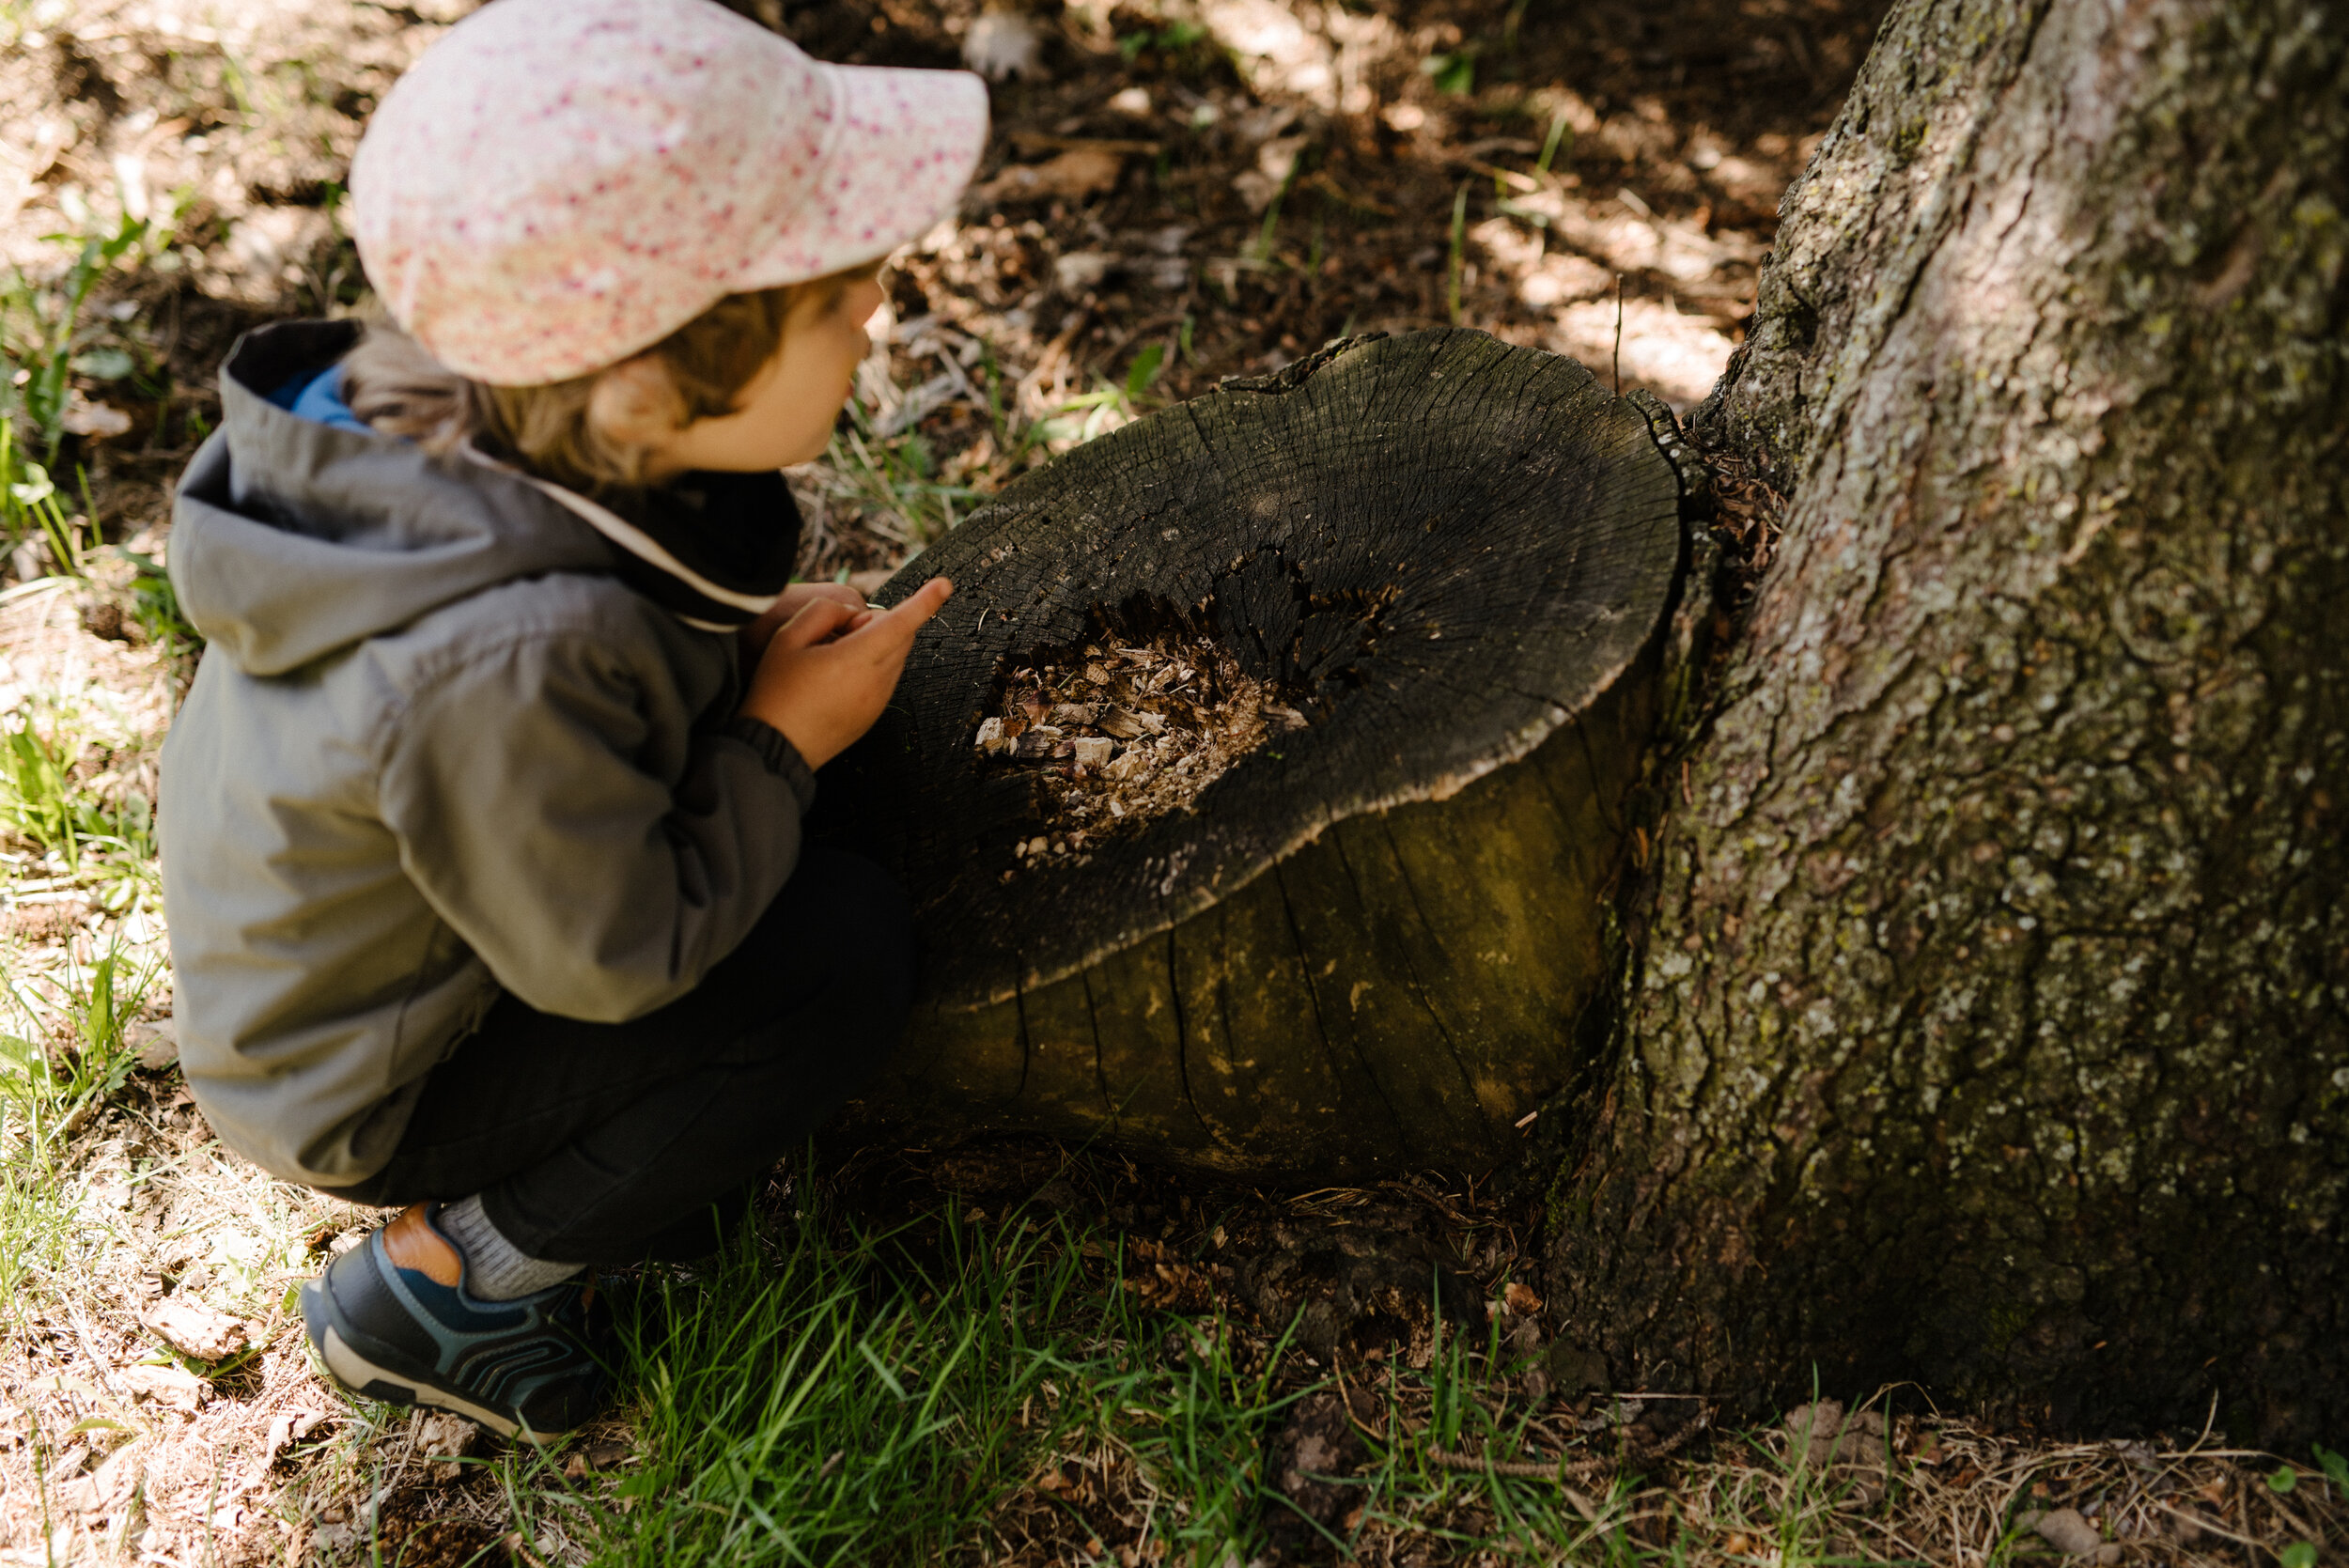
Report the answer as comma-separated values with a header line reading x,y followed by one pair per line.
x,y
635,404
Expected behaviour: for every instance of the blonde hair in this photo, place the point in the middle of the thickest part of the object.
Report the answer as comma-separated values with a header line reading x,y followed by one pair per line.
x,y
395,385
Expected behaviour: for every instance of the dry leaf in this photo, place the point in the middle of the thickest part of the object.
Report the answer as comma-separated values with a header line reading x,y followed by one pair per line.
x,y
1004,41
2070,1532
173,1388
198,1331
1076,174
1521,1298
86,418
156,1040
445,1437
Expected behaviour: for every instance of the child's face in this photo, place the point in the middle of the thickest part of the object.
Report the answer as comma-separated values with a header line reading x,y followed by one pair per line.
x,y
787,410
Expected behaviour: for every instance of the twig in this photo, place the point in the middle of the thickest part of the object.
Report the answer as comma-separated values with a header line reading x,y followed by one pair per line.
x,y
2201,1523
1618,333
1560,1469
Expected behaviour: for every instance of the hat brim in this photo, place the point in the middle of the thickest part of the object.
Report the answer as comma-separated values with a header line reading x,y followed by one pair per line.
x,y
903,146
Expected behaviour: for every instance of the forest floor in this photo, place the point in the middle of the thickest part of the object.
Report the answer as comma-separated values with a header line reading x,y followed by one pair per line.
x,y
1019,1355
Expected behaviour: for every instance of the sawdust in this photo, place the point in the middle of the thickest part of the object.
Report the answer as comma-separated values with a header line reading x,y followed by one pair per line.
x,y
1120,734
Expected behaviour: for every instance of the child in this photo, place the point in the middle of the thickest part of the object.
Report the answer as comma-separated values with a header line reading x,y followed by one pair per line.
x,y
484,881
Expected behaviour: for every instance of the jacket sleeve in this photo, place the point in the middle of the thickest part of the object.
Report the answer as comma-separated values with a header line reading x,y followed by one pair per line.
x,y
530,788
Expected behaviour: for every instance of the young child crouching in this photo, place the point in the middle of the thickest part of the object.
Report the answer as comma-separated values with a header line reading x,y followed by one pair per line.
x,y
483,874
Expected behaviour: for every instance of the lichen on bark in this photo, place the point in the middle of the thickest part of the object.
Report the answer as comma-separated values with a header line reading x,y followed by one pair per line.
x,y
1991,1027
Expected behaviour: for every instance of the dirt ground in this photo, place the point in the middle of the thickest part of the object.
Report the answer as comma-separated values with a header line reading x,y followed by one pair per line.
x,y
1177,190
1212,190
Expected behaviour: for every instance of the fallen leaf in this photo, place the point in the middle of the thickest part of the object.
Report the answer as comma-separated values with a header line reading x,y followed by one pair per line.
x,y
2068,1531
156,1040
1004,41
1076,174
173,1388
443,1438
1521,1299
198,1331
100,420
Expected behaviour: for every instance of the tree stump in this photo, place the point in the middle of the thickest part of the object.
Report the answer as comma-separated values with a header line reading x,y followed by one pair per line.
x,y
1366,944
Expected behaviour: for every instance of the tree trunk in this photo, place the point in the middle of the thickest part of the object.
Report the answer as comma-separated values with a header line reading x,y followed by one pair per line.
x,y
1453,557
1990,1026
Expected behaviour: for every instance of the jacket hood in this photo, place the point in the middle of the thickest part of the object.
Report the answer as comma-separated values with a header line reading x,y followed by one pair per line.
x,y
291,539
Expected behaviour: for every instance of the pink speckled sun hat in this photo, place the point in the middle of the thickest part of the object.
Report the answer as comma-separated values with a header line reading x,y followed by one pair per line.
x,y
558,184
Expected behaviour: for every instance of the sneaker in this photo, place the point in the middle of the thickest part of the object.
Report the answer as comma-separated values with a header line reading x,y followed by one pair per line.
x,y
392,1319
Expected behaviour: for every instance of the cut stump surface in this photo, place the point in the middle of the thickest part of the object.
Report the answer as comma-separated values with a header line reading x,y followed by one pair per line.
x,y
1452,555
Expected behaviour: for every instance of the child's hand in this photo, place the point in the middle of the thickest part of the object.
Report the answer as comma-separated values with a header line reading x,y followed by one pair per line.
x,y
788,603
828,674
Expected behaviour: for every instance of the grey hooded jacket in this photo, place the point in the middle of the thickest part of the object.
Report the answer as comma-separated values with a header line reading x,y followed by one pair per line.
x,y
434,750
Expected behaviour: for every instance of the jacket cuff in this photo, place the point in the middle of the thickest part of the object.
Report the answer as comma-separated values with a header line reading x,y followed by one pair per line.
x,y
782,758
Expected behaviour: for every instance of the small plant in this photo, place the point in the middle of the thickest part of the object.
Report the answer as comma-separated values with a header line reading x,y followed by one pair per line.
x,y
1173,39
1456,264
155,605
45,341
86,833
43,337
1454,73
1144,373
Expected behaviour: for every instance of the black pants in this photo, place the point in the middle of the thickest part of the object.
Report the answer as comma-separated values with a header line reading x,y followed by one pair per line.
x,y
607,1143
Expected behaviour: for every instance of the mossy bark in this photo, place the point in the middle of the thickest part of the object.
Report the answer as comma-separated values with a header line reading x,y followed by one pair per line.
x,y
1990,1025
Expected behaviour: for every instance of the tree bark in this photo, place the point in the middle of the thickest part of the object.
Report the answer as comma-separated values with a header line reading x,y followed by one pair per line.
x,y
1990,1025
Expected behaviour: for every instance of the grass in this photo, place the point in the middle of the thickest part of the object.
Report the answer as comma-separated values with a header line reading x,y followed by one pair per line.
x,y
82,820
839,1394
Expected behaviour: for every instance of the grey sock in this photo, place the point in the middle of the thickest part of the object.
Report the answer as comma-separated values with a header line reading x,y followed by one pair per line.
x,y
495,1269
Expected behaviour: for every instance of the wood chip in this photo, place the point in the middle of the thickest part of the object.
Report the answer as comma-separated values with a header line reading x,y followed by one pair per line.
x,y
1137,730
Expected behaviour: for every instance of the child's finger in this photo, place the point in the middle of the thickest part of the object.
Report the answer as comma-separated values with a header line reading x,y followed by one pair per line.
x,y
818,619
898,625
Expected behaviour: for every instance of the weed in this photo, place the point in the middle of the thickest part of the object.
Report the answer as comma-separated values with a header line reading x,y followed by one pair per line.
x,y
1173,39
97,831
155,605
1454,73
45,341
1145,371
1561,134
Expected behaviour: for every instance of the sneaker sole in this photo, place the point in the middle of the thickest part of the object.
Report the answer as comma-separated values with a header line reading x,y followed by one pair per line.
x,y
362,1376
